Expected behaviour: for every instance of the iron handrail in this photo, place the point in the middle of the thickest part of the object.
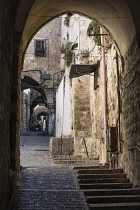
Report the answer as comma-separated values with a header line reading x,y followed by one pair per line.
x,y
129,148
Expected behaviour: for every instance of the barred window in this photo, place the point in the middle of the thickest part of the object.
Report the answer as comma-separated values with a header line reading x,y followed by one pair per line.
x,y
40,48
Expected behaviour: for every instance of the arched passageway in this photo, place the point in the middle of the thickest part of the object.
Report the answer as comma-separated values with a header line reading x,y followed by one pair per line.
x,y
28,82
20,20
30,88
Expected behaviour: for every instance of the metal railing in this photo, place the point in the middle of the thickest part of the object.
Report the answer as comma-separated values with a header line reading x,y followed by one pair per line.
x,y
129,148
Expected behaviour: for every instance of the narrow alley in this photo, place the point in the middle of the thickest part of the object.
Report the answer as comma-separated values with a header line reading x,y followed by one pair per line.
x,y
43,185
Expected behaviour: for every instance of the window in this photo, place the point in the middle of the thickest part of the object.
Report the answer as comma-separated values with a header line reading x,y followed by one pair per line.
x,y
40,48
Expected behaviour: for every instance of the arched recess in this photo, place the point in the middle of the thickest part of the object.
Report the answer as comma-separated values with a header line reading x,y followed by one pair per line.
x,y
115,15
28,82
36,108
37,101
41,114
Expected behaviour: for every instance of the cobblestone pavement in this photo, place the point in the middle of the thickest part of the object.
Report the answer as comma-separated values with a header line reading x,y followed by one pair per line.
x,y
42,185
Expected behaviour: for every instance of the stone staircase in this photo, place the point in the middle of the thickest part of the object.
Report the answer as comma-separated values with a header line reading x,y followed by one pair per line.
x,y
106,188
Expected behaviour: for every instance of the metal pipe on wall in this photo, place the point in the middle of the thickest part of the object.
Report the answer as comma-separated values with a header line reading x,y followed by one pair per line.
x,y
104,95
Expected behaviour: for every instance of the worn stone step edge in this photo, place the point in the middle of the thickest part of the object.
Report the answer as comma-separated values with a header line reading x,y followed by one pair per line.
x,y
132,204
91,167
105,192
69,162
103,180
113,199
99,171
106,186
94,176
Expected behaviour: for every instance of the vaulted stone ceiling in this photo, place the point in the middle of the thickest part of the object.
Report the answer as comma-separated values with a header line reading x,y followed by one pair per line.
x,y
120,17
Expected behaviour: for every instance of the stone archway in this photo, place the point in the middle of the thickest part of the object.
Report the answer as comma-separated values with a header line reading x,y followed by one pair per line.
x,y
114,15
118,17
37,111
20,20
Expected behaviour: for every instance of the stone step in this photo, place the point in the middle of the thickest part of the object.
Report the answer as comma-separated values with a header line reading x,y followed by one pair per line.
x,y
115,206
100,171
74,161
67,162
101,176
105,192
67,157
104,180
113,199
91,167
107,189
106,186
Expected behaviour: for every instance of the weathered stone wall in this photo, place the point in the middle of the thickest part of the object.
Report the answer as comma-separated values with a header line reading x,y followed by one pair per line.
x,y
81,126
61,146
97,102
81,106
25,111
8,110
130,132
51,62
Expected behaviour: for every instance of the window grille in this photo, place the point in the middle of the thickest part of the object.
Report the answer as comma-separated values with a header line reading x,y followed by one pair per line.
x,y
40,48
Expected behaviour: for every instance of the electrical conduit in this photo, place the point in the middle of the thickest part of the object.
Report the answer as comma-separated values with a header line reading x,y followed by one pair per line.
x,y
104,97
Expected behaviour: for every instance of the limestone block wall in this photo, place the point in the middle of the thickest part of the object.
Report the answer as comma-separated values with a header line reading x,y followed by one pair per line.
x,y
129,159
97,102
81,106
25,111
81,123
51,62
61,146
51,126
112,84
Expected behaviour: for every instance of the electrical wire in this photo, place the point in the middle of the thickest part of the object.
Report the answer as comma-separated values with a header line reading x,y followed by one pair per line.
x,y
25,84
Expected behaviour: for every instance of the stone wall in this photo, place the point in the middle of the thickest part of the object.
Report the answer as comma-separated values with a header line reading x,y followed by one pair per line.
x,y
50,64
130,132
61,146
25,111
8,103
97,103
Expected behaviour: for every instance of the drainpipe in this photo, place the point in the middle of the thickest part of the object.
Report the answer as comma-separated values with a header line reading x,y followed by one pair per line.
x,y
105,95
79,36
119,96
